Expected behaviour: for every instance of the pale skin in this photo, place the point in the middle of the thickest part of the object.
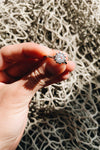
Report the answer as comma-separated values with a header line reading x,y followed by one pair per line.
x,y
23,71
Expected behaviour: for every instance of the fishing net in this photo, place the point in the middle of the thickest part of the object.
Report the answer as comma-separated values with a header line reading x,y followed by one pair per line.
x,y
63,116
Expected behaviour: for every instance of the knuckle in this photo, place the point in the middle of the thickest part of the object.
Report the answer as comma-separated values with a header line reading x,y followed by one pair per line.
x,y
39,77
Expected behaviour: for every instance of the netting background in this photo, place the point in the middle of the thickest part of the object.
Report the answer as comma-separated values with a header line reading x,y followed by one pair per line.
x,y
63,116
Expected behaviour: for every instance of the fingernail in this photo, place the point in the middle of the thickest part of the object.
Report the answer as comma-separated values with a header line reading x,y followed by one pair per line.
x,y
70,66
66,76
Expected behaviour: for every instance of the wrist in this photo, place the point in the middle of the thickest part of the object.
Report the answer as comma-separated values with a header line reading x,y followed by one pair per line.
x,y
7,146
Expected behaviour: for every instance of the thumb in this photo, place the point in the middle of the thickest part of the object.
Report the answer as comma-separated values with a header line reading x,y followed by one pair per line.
x,y
53,68
45,72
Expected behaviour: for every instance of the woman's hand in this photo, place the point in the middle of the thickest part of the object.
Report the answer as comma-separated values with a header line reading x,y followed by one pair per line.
x,y
23,71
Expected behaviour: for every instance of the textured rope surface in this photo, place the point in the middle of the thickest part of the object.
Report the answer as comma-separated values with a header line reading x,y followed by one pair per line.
x,y
63,116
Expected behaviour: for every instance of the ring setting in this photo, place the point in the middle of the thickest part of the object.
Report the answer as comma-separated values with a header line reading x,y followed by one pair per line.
x,y
60,58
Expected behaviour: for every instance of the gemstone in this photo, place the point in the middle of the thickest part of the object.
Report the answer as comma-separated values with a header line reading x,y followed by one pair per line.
x,y
60,58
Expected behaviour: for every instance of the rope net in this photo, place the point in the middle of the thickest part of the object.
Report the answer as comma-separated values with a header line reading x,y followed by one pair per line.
x,y
63,116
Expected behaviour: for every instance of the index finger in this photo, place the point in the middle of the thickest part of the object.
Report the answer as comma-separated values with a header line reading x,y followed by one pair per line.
x,y
13,53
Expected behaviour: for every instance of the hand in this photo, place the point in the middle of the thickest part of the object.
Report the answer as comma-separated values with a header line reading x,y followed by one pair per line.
x,y
23,71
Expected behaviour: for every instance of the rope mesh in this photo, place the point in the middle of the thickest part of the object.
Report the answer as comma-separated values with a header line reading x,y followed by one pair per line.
x,y
64,115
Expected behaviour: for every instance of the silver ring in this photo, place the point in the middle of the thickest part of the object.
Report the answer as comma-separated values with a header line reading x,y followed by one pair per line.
x,y
60,58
